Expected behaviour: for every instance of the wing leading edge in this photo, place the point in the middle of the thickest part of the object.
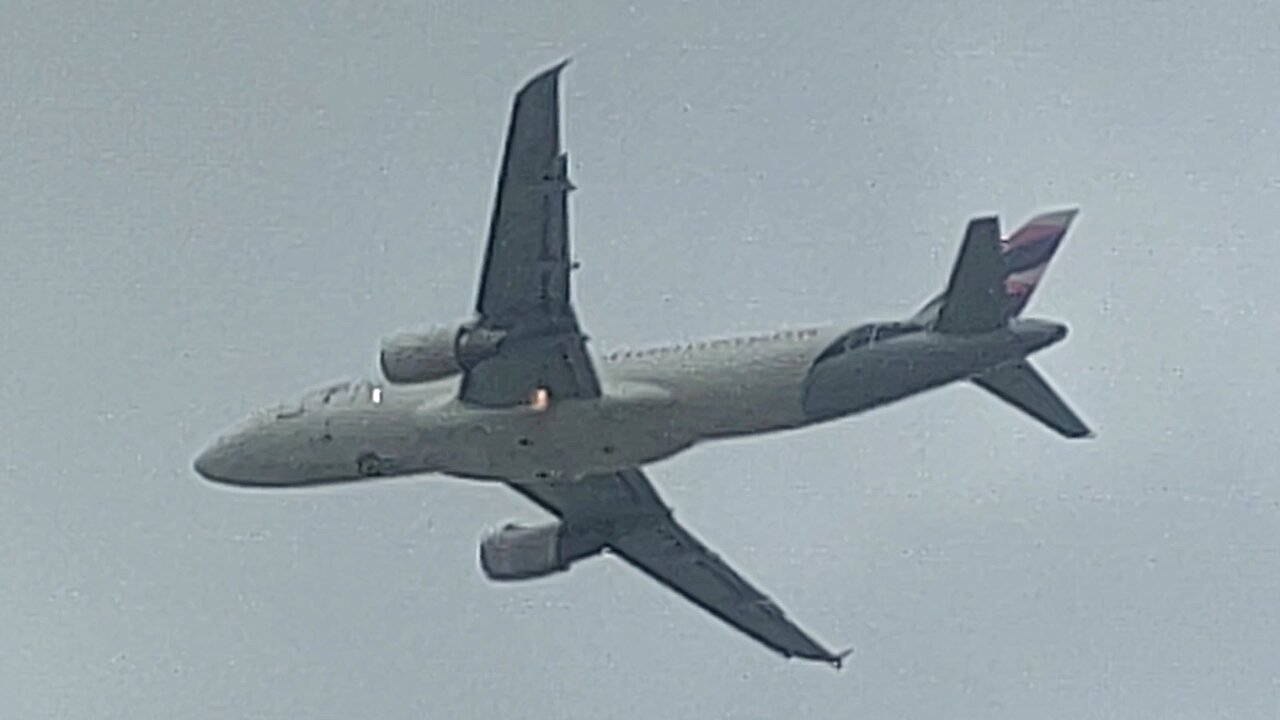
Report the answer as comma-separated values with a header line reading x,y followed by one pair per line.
x,y
638,526
530,335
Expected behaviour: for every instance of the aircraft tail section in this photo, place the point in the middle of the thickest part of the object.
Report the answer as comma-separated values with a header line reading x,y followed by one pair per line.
x,y
1027,253
993,278
1020,385
975,300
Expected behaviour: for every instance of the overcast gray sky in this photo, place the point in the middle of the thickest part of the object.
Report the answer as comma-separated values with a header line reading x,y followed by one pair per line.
x,y
208,207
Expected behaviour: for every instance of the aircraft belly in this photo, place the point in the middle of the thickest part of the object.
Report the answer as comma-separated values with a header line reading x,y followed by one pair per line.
x,y
651,409
566,440
756,397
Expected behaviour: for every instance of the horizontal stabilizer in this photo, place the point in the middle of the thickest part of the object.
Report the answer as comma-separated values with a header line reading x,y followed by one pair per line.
x,y
975,300
1021,386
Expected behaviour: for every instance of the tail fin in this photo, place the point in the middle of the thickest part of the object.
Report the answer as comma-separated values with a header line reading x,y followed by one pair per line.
x,y
1027,253
975,300
1020,385
993,279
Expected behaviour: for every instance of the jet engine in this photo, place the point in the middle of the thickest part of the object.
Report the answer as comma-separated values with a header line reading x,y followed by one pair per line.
x,y
476,344
520,552
417,357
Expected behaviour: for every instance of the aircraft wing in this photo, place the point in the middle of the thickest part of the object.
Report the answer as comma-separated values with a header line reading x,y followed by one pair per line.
x,y
524,305
638,526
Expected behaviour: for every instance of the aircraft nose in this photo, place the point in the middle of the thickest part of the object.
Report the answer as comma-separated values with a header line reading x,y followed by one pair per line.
x,y
259,453
216,462
233,458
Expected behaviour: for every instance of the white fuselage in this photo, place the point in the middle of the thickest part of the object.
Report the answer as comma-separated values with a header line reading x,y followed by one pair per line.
x,y
655,403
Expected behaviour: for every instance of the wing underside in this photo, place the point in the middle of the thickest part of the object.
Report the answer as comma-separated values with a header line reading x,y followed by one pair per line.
x,y
524,297
639,527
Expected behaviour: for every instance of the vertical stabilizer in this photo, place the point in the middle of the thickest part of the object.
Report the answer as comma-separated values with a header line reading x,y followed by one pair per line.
x,y
975,298
1027,253
984,294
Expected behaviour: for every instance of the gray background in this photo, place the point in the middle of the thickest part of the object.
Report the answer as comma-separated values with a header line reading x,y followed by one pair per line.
x,y
207,208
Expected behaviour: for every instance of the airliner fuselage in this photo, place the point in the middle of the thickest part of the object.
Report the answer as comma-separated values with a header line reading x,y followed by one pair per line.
x,y
655,403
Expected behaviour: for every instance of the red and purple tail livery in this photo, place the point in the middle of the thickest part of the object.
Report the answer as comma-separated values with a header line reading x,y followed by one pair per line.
x,y
1027,253
994,277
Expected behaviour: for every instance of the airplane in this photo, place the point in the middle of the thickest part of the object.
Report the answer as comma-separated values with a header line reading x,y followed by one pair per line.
x,y
512,395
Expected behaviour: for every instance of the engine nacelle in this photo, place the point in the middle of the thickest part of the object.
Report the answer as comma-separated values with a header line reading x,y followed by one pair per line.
x,y
476,344
420,357
521,552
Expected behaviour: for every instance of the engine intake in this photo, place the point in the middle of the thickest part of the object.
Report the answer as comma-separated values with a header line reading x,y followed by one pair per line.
x,y
420,357
521,552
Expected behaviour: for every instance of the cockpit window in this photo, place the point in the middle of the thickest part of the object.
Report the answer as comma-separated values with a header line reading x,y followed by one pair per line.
x,y
327,395
286,411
